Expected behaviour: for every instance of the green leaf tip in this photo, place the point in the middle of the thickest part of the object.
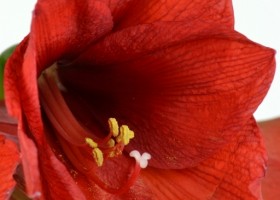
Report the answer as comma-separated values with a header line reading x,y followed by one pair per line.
x,y
3,59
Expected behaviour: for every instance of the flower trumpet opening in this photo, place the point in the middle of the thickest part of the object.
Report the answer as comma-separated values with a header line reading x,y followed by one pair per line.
x,y
85,150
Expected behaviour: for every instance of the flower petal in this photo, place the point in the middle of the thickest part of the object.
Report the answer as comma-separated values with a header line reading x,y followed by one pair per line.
x,y
29,161
140,40
9,159
12,98
57,180
62,29
233,173
28,149
130,13
184,99
271,133
118,8
50,39
8,125
69,170
116,173
11,81
45,176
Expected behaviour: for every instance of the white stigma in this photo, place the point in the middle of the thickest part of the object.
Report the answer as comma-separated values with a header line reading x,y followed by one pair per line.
x,y
141,159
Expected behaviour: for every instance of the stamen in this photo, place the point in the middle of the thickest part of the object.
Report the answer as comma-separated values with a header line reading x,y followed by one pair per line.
x,y
98,156
116,150
58,111
109,148
91,143
142,160
96,152
111,143
114,127
125,135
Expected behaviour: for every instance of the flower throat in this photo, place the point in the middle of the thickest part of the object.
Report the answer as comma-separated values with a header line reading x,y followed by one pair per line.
x,y
86,151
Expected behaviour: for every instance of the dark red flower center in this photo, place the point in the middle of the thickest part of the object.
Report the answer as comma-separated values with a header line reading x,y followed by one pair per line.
x,y
87,150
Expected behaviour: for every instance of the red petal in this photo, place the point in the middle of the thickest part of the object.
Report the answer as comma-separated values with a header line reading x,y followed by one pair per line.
x,y
57,181
12,79
271,133
30,163
233,173
45,176
119,8
9,155
9,159
114,174
130,13
8,125
140,40
13,85
183,100
62,28
56,33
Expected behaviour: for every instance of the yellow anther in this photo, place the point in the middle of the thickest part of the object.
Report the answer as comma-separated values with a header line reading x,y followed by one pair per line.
x,y
98,156
91,143
114,127
125,135
120,135
111,143
112,154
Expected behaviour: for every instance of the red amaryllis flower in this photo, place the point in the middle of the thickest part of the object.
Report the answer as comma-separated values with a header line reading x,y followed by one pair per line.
x,y
174,72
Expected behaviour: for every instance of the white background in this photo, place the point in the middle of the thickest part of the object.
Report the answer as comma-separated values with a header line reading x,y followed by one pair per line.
x,y
259,20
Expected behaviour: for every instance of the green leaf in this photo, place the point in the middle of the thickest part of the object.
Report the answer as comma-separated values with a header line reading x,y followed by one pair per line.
x,y
3,59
